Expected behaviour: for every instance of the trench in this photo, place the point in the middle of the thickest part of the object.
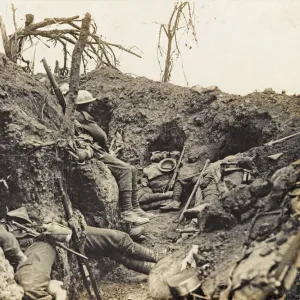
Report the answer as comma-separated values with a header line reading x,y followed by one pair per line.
x,y
170,137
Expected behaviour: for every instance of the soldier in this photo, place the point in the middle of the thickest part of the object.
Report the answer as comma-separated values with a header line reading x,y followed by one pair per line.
x,y
34,258
219,178
125,174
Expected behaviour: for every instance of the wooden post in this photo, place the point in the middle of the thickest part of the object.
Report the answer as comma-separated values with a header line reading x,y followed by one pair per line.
x,y
68,124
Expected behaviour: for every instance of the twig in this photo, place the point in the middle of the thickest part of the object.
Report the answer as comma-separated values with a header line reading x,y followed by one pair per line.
x,y
14,19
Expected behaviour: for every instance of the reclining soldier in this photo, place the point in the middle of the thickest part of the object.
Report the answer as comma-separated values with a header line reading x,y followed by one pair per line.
x,y
34,257
125,174
219,178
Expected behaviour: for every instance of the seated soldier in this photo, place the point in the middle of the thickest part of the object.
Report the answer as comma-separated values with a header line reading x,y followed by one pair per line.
x,y
35,257
125,174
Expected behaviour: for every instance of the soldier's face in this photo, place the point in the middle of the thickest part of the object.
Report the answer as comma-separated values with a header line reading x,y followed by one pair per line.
x,y
86,107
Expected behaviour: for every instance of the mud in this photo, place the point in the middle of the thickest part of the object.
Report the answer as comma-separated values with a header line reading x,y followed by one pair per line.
x,y
154,116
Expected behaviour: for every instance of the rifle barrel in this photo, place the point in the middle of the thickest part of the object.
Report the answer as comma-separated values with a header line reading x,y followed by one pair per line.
x,y
36,234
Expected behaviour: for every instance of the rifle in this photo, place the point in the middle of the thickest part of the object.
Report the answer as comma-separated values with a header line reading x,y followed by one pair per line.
x,y
56,89
84,266
193,192
36,234
170,185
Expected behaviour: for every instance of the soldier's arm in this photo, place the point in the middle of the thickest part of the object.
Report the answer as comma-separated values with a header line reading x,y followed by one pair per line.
x,y
87,122
10,245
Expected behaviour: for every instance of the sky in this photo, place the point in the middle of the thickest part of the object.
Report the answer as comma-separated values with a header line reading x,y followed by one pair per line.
x,y
243,45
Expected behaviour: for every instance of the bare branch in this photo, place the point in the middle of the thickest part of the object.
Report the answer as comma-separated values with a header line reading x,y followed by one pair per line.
x,y
14,17
97,49
181,11
68,124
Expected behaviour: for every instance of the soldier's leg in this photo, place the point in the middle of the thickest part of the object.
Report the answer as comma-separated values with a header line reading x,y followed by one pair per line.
x,y
176,199
139,266
11,247
120,247
135,202
34,275
125,177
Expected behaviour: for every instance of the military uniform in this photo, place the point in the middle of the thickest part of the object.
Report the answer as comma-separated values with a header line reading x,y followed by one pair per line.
x,y
219,178
34,274
125,174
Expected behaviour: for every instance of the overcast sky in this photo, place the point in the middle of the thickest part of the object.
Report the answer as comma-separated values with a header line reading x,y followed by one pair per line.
x,y
244,45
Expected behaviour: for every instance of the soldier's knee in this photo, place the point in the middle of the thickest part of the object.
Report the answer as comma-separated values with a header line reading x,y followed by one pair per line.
x,y
125,241
125,172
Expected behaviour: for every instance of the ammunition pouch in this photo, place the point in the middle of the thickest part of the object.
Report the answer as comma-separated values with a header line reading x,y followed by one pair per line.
x,y
230,168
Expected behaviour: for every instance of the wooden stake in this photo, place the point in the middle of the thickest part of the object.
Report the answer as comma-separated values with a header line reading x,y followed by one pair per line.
x,y
67,128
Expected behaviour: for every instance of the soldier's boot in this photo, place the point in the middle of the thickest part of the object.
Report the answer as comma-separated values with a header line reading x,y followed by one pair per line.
x,y
127,213
135,201
152,206
132,217
149,198
170,206
174,205
139,266
137,209
195,211
140,252
136,233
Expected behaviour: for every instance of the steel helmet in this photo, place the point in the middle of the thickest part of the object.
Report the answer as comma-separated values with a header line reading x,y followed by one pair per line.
x,y
167,165
84,97
64,88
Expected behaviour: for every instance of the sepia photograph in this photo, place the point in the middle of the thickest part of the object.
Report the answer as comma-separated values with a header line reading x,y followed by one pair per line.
x,y
149,149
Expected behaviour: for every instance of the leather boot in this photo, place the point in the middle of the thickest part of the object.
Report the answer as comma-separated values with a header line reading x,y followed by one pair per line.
x,y
136,207
151,206
139,266
143,214
136,233
148,198
132,217
140,252
195,211
171,206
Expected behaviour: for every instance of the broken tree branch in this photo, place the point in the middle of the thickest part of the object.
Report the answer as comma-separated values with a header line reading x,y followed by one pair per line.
x,y
68,124
97,49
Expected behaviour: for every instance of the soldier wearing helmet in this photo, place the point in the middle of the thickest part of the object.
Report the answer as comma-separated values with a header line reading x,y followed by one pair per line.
x,y
125,174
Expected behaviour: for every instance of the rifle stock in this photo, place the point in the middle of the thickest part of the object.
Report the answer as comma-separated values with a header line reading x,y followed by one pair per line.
x,y
170,185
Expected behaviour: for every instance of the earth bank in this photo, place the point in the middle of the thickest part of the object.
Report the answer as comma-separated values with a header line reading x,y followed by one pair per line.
x,y
154,116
